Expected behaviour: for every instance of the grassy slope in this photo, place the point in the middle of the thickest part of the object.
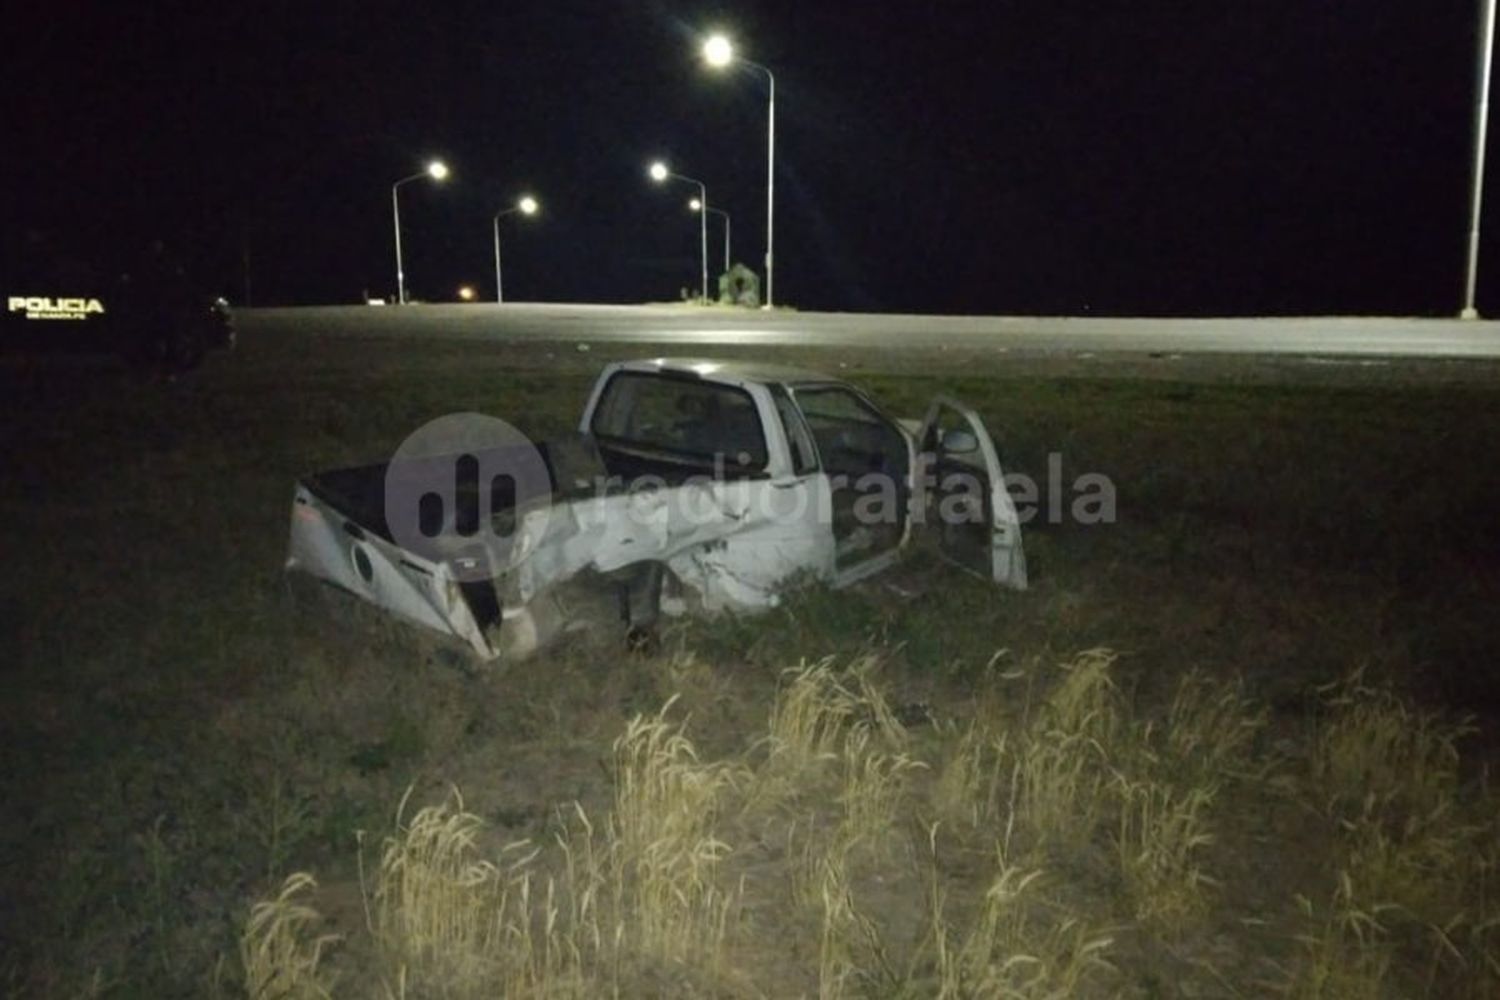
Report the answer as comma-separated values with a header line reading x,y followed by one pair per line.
x,y
181,729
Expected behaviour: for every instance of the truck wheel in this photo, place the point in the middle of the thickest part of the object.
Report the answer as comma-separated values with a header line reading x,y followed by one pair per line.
x,y
640,606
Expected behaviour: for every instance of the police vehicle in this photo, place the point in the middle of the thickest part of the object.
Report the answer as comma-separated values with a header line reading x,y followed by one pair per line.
x,y
145,312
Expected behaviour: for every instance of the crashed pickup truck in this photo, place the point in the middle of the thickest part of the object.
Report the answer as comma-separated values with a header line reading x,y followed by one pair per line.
x,y
690,486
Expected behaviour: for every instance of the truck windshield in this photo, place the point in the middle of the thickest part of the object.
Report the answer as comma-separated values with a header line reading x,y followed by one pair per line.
x,y
695,420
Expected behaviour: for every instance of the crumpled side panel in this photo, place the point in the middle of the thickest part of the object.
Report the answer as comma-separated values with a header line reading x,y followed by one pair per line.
x,y
730,542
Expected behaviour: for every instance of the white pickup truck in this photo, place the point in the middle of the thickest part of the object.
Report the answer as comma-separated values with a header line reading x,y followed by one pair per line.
x,y
692,485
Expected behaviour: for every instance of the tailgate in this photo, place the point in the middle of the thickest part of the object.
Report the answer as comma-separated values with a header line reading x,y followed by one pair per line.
x,y
341,535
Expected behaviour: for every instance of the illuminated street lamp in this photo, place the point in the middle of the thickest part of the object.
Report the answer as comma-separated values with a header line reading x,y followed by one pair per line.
x,y
697,206
660,174
526,205
437,170
718,53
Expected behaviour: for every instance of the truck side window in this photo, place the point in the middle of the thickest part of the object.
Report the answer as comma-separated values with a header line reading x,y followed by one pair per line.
x,y
852,437
687,418
804,456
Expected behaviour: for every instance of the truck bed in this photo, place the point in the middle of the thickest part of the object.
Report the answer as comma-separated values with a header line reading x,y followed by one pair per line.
x,y
359,492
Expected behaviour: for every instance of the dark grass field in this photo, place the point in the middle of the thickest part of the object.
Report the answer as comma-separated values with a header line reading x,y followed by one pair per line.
x,y
182,727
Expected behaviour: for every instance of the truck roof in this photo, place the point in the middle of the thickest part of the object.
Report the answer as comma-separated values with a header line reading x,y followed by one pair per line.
x,y
730,370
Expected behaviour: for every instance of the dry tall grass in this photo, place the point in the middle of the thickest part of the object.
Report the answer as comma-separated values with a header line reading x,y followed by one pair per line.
x,y
1060,768
449,922
601,908
811,718
1019,945
1160,841
874,787
968,788
1085,701
1209,730
1411,849
1376,744
664,856
1477,936
280,949
433,894
808,717
841,726
1345,951
851,948
1035,818
1169,774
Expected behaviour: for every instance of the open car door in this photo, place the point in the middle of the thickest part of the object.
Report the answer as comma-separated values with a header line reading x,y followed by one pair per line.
x,y
961,497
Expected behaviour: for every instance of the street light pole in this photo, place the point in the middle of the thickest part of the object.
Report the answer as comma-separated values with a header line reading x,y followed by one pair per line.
x,y
697,206
719,52
499,288
726,241
659,173
437,170
1481,123
770,177
526,206
396,213
703,241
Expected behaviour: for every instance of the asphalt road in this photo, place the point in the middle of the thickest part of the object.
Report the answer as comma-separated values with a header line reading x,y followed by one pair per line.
x,y
693,327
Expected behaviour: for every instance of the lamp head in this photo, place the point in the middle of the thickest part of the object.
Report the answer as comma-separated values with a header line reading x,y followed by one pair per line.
x,y
659,171
696,205
529,205
718,51
437,170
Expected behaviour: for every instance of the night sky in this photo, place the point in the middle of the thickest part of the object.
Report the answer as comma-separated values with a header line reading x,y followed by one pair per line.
x,y
1151,158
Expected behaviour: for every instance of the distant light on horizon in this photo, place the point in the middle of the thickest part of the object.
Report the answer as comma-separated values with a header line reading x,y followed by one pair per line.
x,y
466,293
